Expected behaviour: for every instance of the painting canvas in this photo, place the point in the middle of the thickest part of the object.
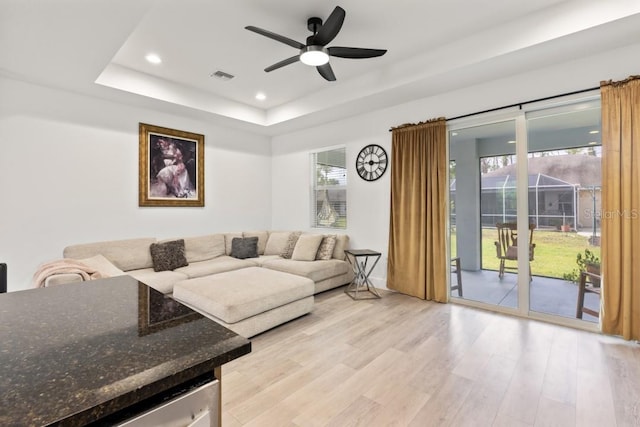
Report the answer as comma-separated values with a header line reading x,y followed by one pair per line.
x,y
171,167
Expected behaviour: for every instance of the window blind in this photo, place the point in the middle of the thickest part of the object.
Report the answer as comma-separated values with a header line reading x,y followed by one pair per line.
x,y
329,189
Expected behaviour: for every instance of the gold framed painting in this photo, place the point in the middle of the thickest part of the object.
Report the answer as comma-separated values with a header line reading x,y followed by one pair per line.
x,y
171,167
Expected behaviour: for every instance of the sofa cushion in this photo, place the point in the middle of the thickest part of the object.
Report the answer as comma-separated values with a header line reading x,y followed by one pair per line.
x,y
214,266
342,243
201,248
262,236
307,247
129,254
316,271
262,259
254,325
276,242
328,244
237,295
102,265
228,240
244,247
287,252
168,255
162,281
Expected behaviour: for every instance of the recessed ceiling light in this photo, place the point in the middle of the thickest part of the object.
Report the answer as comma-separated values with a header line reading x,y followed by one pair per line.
x,y
153,58
593,132
454,133
261,96
593,143
511,142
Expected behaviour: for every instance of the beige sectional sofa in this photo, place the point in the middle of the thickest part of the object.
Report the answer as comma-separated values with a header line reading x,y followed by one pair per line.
x,y
248,295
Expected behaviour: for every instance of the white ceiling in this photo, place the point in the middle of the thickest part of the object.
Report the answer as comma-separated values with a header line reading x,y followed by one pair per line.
x,y
98,47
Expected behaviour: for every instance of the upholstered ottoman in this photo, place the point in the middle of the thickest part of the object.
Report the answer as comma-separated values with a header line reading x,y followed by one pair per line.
x,y
249,300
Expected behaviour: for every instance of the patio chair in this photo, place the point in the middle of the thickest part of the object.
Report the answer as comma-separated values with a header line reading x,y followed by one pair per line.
x,y
455,269
583,288
507,246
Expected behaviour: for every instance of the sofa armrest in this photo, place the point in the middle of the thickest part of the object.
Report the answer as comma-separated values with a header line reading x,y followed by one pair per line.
x,y
62,278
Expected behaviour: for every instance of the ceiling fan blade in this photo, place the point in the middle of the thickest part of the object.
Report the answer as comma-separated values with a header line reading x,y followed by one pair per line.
x,y
329,30
355,52
283,63
326,72
274,36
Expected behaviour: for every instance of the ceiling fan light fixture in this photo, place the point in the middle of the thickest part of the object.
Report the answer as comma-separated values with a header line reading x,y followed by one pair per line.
x,y
314,55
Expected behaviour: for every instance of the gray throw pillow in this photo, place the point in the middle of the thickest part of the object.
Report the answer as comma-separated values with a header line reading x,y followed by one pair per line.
x,y
246,247
168,255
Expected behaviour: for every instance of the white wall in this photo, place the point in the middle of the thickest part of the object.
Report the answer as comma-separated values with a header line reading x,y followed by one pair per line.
x,y
368,203
69,165
69,174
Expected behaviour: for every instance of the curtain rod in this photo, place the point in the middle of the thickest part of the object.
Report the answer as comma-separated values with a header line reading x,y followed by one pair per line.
x,y
520,104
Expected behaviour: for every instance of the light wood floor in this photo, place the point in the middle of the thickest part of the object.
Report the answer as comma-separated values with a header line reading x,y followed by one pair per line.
x,y
401,361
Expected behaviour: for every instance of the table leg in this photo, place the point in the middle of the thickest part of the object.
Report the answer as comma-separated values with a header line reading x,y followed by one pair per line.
x,y
361,282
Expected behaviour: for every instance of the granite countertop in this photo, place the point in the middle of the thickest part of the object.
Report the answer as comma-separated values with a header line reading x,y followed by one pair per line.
x,y
74,353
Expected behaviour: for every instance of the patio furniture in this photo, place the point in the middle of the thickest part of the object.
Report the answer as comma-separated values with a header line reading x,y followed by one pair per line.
x,y
587,287
507,246
455,268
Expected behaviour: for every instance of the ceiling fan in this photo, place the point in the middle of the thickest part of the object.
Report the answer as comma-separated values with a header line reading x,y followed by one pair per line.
x,y
315,53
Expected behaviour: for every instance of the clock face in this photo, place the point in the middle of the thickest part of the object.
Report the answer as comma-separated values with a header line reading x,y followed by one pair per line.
x,y
371,162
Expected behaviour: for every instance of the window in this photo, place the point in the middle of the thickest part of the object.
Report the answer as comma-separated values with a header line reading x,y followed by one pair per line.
x,y
329,189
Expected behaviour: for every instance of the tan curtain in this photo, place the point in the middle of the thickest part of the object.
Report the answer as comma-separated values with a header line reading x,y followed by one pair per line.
x,y
621,207
417,250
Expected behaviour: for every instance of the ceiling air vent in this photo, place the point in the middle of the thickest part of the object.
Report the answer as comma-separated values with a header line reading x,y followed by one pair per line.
x,y
222,75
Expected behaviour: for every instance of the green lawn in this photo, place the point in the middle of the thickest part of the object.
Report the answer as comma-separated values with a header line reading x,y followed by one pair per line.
x,y
555,252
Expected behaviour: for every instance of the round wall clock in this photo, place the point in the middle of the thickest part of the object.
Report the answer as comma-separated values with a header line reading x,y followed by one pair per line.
x,y
371,162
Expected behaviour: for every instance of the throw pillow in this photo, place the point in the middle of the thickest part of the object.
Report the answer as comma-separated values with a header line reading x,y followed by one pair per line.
x,y
262,236
290,245
168,255
228,238
328,244
276,242
342,243
307,247
246,247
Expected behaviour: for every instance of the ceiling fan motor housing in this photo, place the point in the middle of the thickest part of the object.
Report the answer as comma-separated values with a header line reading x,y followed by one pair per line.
x,y
314,24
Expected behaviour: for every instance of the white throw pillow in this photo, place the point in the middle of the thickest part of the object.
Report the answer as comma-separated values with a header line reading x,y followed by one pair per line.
x,y
307,247
342,243
276,242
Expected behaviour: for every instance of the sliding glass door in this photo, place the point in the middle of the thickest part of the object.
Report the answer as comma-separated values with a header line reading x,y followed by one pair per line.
x,y
564,166
524,209
483,194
